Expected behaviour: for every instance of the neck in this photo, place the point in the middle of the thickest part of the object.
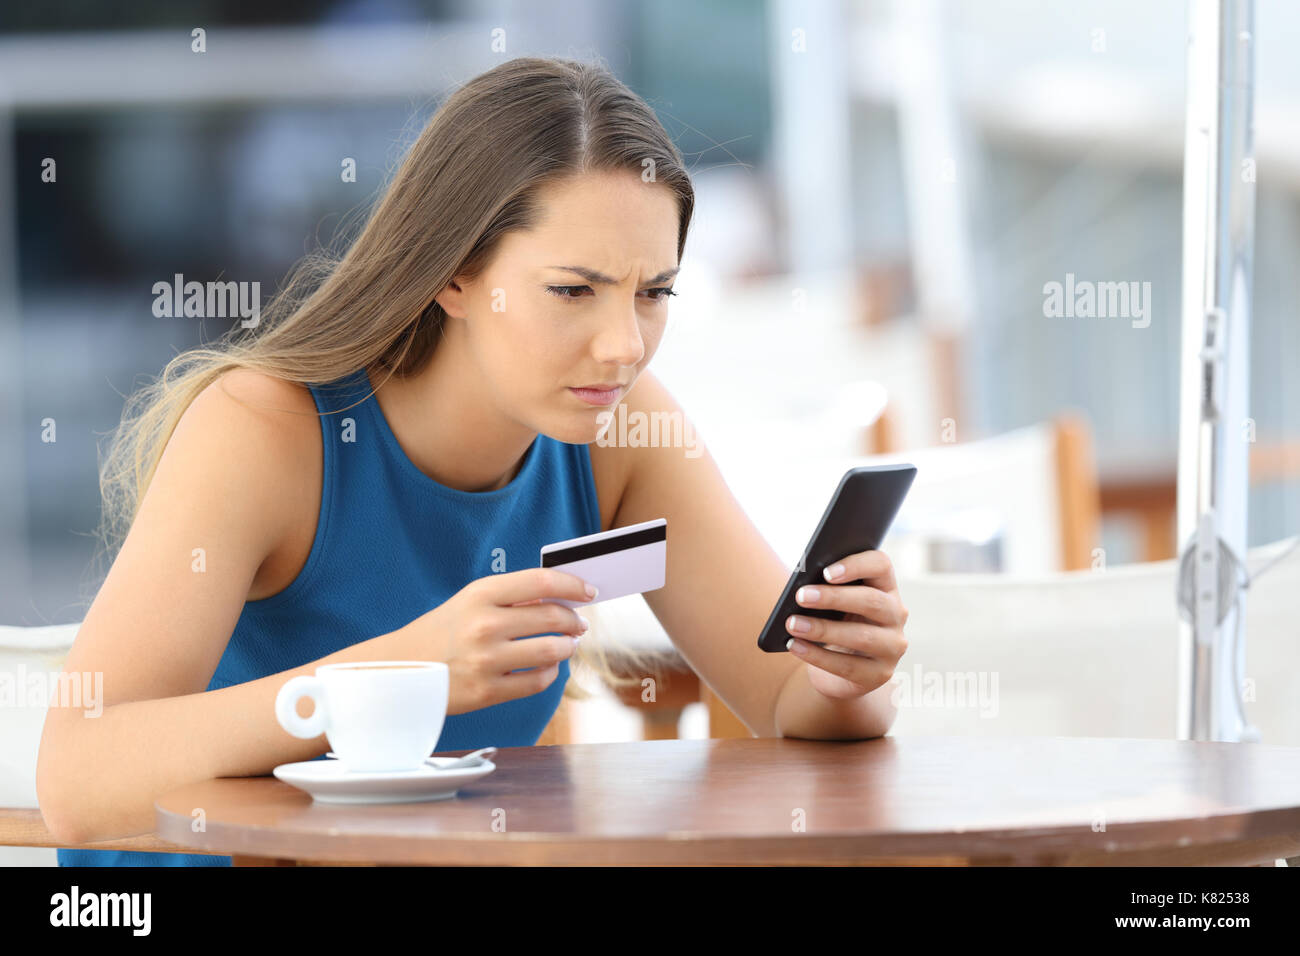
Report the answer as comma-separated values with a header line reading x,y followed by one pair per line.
x,y
445,424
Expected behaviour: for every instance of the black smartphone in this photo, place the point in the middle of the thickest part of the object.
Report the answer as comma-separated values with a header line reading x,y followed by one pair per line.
x,y
858,517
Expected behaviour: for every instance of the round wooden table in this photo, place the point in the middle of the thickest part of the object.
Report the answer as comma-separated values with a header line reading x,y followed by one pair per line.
x,y
764,801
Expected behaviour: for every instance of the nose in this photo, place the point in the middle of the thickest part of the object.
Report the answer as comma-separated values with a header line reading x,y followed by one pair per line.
x,y
619,340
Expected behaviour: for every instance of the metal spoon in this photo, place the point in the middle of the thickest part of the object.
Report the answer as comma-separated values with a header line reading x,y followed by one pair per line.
x,y
469,760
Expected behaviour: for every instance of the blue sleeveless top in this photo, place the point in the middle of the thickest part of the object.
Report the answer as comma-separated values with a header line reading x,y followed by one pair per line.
x,y
391,543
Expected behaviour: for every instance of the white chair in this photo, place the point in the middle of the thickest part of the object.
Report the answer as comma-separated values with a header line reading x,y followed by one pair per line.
x,y
28,656
1083,653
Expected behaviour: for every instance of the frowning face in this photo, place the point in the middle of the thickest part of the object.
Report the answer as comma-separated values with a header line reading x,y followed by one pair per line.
x,y
579,300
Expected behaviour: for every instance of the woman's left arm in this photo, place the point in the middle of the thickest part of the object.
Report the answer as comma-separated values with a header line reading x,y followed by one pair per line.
x,y
722,581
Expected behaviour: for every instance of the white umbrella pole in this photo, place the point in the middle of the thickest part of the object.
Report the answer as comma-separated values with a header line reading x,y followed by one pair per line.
x,y
1215,428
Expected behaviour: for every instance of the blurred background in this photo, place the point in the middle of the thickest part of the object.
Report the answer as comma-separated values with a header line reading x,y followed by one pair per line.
x,y
884,191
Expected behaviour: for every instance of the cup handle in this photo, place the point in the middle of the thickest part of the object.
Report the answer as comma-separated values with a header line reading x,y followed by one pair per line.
x,y
286,707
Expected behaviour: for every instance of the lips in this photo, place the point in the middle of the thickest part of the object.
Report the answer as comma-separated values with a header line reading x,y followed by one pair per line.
x,y
598,395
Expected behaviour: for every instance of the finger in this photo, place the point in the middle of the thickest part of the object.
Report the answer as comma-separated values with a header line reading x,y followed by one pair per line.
x,y
877,606
871,567
525,683
543,617
534,585
855,636
866,672
530,652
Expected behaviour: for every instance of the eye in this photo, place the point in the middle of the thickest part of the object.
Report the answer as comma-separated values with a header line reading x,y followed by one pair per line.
x,y
664,293
564,291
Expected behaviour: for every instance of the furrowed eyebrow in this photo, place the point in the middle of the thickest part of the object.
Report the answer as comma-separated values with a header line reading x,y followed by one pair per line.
x,y
591,275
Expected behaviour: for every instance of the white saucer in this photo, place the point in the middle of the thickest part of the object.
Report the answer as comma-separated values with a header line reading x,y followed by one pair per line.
x,y
328,782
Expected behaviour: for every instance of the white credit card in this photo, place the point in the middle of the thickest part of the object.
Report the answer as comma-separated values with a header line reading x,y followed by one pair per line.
x,y
618,562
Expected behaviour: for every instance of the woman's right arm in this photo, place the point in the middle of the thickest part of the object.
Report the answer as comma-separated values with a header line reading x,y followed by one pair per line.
x,y
165,613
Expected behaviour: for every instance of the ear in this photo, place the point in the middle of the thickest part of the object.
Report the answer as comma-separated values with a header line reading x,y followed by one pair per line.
x,y
454,299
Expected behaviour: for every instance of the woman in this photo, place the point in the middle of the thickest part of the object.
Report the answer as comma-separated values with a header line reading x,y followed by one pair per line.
x,y
363,476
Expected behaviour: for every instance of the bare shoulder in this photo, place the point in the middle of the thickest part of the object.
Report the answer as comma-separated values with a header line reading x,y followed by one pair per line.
x,y
264,425
271,427
261,394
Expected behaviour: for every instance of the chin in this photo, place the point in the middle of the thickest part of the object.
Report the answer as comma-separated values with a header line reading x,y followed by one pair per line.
x,y
573,432
577,427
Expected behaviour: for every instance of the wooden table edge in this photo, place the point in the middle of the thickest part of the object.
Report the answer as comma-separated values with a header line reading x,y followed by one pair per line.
x,y
1037,846
25,827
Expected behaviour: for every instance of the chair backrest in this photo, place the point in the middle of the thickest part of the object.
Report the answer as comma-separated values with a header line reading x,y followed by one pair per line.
x,y
1083,653
30,660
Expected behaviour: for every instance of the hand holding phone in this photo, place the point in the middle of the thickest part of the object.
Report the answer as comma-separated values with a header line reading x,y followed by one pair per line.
x,y
857,518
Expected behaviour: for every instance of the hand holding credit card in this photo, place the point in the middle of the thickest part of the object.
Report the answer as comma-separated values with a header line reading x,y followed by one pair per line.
x,y
618,562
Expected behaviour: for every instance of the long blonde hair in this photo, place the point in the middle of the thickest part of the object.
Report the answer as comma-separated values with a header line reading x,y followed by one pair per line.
x,y
472,175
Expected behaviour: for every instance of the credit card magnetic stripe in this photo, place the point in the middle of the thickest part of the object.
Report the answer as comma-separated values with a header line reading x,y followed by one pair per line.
x,y
595,549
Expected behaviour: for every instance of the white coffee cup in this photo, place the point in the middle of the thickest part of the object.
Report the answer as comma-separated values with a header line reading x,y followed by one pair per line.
x,y
376,715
